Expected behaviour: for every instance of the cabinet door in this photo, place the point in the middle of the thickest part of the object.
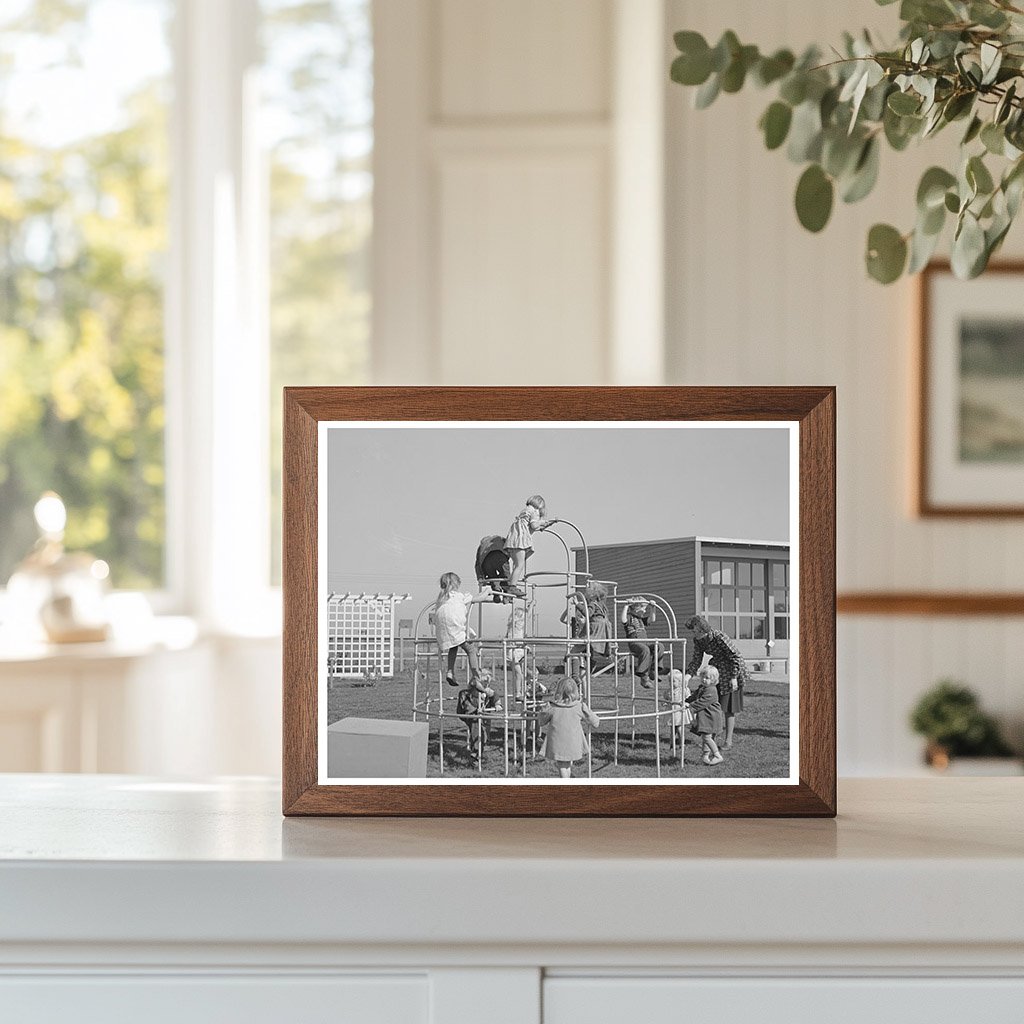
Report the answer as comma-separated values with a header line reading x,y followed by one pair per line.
x,y
205,999
577,1000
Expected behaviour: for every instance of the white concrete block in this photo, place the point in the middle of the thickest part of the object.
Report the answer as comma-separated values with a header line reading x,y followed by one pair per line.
x,y
371,748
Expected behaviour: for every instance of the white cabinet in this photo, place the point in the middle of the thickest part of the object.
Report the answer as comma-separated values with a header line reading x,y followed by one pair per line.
x,y
202,999
127,899
101,707
824,1000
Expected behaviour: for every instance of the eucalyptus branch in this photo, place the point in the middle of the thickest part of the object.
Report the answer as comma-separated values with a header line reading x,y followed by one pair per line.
x,y
833,117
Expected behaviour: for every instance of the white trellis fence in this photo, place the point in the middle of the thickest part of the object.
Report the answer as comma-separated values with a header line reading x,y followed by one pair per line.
x,y
361,634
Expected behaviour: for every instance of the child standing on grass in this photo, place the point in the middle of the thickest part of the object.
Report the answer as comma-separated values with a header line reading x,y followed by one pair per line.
x,y
566,740
678,691
519,540
707,717
451,626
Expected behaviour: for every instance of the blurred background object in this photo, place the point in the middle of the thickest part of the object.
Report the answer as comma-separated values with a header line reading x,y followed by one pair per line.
x,y
951,719
53,593
204,200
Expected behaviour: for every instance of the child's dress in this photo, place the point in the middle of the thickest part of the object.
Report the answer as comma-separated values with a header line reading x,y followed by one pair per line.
x,y
451,621
678,692
566,739
516,630
707,712
520,533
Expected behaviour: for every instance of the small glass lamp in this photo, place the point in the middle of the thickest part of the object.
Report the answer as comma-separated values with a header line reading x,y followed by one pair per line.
x,y
56,595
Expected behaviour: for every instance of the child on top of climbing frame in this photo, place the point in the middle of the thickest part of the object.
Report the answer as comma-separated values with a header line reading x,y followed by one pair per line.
x,y
519,540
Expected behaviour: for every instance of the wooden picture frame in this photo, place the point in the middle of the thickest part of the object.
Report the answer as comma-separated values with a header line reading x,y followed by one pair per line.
x,y
811,411
935,476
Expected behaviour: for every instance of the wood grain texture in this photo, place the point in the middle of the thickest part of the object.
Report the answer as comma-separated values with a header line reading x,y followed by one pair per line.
x,y
298,585
923,503
924,603
812,407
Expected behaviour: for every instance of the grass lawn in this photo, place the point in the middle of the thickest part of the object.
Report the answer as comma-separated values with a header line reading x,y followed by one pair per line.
x,y
761,749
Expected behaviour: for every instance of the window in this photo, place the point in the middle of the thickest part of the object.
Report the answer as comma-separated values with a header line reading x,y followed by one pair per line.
x,y
259,218
317,121
736,595
780,599
83,238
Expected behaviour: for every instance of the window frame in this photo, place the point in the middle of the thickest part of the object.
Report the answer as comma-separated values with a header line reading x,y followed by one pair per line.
x,y
730,620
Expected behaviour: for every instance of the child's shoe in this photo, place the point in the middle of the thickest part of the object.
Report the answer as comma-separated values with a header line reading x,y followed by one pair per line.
x,y
717,759
450,679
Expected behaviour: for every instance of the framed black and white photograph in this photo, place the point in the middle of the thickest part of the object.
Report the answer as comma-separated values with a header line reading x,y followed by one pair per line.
x,y
971,393
515,609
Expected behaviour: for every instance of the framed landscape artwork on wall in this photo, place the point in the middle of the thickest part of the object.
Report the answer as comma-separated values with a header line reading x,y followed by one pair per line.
x,y
559,601
970,450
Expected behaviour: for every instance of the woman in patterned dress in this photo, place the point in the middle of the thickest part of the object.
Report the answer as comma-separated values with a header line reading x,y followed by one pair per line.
x,y
732,669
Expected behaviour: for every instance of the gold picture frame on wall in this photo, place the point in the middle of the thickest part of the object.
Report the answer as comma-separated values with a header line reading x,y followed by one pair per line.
x,y
970,394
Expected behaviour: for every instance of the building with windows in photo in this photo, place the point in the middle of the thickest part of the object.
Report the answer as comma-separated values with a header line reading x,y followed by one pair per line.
x,y
740,586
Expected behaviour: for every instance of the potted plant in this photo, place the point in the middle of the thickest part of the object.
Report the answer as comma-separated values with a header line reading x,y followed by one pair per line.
x,y
950,717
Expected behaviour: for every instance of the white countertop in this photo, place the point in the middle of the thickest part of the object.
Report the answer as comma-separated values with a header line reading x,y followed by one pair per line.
x,y
123,859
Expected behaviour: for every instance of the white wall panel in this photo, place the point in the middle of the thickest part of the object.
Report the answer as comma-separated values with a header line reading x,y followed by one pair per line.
x,y
522,281
754,299
528,58
493,203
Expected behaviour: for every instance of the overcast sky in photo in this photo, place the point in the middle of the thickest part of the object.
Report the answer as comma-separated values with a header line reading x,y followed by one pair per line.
x,y
406,504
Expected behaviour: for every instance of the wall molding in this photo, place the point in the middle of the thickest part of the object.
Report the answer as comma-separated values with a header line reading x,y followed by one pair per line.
x,y
929,603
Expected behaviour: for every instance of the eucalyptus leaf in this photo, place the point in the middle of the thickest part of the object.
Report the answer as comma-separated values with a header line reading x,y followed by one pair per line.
x,y
993,138
814,196
973,130
922,248
952,202
886,253
724,51
805,133
932,221
987,15
931,190
735,74
904,103
1014,192
873,106
775,124
771,69
991,60
978,176
840,152
968,247
1005,104
794,88
900,130
707,93
865,173
958,105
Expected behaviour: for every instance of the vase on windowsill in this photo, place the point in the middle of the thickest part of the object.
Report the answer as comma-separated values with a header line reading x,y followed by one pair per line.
x,y
55,595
